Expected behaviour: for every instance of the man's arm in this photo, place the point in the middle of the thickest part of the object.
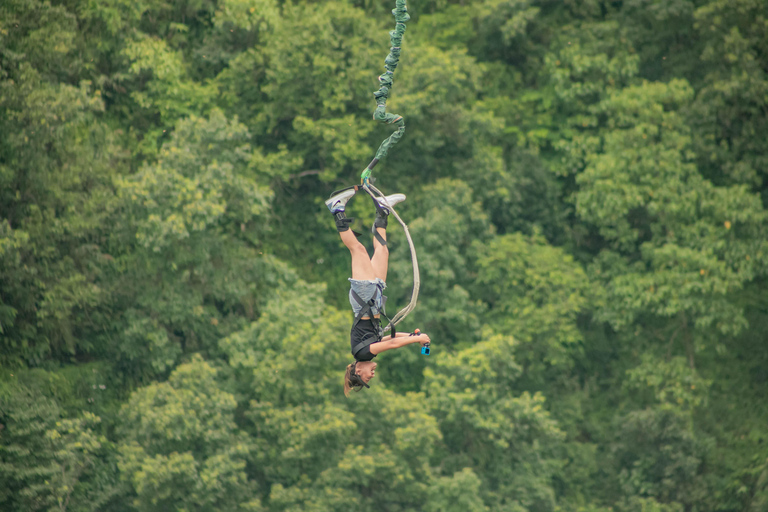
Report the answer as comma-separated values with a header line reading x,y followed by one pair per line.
x,y
401,339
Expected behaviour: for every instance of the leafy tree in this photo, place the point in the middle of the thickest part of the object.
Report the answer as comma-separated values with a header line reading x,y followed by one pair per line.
x,y
313,452
665,38
461,492
636,504
39,36
288,366
504,437
660,456
57,163
76,447
47,461
313,338
26,462
186,233
179,445
671,382
162,168
728,113
583,66
298,92
160,85
386,463
667,229
659,451
535,293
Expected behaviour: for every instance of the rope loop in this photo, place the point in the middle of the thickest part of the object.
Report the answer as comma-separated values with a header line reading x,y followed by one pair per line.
x,y
379,196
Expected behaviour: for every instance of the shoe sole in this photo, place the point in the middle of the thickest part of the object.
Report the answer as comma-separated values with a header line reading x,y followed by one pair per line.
x,y
391,204
337,202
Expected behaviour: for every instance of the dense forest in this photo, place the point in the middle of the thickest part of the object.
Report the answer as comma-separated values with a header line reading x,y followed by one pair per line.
x,y
587,190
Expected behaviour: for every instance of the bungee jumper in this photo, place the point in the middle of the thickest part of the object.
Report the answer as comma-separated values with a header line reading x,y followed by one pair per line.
x,y
369,274
367,284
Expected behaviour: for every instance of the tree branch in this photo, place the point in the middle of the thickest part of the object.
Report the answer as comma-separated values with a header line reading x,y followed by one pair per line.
x,y
304,173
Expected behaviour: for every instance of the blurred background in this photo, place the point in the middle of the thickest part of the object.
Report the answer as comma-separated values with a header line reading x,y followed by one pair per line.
x,y
586,185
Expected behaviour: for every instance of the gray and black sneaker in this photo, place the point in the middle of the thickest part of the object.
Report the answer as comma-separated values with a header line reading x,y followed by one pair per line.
x,y
390,200
382,214
338,202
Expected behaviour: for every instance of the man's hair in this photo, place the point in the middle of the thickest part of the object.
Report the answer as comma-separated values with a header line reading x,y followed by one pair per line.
x,y
352,380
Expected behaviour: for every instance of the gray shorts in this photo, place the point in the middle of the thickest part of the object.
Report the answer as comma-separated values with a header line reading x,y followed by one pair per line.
x,y
368,289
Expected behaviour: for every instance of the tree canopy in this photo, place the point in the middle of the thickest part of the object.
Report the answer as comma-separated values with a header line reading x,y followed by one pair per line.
x,y
586,188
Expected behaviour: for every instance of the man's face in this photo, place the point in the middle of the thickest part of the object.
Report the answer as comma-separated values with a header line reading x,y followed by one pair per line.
x,y
366,370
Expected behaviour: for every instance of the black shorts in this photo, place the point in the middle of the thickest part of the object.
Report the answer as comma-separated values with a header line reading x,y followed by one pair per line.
x,y
366,331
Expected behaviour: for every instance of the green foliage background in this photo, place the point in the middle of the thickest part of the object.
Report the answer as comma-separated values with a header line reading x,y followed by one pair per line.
x,y
586,188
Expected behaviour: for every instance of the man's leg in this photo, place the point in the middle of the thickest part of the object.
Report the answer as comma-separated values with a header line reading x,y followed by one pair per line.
x,y
361,263
362,269
380,260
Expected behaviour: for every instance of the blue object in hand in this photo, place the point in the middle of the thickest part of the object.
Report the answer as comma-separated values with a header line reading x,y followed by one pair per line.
x,y
424,348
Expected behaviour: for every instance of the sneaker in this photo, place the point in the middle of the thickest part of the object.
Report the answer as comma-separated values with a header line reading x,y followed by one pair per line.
x,y
338,202
391,200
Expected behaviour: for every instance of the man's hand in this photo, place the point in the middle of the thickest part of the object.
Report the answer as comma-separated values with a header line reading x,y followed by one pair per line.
x,y
422,338
401,339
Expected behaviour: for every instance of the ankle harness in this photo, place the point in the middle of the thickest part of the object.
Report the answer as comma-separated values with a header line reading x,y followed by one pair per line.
x,y
380,221
342,222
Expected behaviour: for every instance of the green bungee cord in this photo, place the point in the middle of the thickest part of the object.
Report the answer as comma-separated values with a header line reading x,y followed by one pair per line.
x,y
386,79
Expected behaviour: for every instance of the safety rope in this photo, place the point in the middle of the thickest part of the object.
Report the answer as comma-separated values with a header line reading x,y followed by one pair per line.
x,y
386,80
368,187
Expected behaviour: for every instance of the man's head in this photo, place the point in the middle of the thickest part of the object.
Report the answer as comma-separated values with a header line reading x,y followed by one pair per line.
x,y
358,375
